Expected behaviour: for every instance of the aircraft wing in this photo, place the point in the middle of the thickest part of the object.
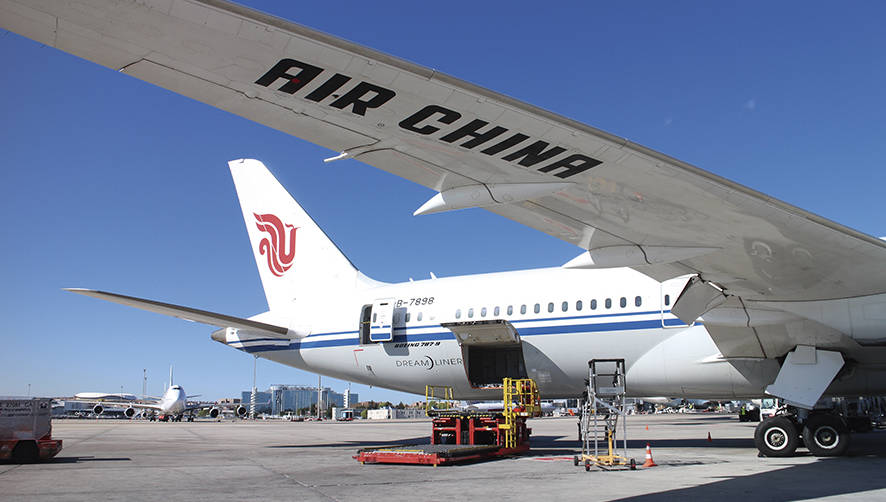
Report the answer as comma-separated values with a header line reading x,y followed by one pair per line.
x,y
119,404
188,313
626,204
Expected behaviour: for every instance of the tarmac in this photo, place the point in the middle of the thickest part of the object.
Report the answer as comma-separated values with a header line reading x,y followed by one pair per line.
x,y
274,460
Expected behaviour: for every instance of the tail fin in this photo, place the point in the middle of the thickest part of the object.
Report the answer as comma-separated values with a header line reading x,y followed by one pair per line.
x,y
296,260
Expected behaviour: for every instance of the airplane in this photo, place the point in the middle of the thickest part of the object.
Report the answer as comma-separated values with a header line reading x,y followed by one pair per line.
x,y
172,406
708,289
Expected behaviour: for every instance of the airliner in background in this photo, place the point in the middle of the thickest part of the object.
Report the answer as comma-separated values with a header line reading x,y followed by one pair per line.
x,y
705,287
173,406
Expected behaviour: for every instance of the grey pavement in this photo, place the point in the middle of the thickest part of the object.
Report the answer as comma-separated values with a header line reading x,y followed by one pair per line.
x,y
207,460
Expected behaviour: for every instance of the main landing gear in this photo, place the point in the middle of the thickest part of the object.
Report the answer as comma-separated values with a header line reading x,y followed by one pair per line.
x,y
823,434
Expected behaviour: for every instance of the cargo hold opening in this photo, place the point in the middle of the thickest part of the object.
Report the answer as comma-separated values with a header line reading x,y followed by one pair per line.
x,y
491,351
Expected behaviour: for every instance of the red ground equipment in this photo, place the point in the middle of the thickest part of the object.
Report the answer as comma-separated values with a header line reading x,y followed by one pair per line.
x,y
465,435
26,430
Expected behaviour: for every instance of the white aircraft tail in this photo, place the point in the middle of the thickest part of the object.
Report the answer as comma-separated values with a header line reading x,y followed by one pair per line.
x,y
295,259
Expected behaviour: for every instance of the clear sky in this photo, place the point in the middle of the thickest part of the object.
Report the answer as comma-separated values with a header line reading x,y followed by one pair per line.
x,y
111,183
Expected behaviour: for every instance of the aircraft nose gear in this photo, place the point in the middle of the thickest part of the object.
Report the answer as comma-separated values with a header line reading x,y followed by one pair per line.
x,y
777,437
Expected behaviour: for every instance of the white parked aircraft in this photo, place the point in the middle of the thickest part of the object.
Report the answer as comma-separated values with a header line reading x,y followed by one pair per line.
x,y
794,305
173,405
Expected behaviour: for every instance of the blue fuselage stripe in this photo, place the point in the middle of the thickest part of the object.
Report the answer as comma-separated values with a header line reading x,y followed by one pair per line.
x,y
307,343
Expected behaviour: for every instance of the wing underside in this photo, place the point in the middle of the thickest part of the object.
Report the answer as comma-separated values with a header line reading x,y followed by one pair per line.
x,y
624,203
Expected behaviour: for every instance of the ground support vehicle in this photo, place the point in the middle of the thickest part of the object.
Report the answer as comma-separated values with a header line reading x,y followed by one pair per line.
x,y
464,435
26,430
600,412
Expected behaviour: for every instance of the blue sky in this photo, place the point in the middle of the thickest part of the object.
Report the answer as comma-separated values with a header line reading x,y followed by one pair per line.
x,y
111,183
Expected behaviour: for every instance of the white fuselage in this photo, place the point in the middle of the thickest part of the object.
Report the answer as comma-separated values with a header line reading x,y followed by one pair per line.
x,y
173,402
564,318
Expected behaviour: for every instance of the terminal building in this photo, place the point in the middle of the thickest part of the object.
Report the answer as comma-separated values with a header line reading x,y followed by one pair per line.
x,y
282,399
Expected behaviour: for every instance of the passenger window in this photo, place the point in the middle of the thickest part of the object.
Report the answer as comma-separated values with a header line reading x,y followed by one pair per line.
x,y
593,304
418,318
407,316
483,312
565,306
667,299
578,305
458,314
510,310
551,307
537,308
638,301
609,303
523,309
623,302
374,316
470,313
496,311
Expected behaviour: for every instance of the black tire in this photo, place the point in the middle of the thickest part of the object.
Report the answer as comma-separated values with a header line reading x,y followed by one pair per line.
x,y
860,424
826,435
633,465
25,452
776,437
575,461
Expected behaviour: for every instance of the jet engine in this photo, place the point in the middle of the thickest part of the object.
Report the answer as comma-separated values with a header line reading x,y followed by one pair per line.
x,y
129,412
98,409
213,412
241,411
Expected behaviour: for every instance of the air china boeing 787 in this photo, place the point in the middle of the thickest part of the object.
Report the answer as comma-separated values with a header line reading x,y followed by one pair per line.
x,y
705,287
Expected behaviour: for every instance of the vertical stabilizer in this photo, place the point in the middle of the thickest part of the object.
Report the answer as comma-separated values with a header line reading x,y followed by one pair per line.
x,y
295,259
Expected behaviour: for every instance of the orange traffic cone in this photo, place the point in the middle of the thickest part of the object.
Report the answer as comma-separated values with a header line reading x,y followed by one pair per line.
x,y
649,462
709,437
647,427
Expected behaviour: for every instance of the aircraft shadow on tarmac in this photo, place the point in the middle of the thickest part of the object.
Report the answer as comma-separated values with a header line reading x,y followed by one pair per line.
x,y
823,478
571,442
77,460
357,444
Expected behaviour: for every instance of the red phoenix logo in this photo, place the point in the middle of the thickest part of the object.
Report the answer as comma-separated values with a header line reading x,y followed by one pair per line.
x,y
274,245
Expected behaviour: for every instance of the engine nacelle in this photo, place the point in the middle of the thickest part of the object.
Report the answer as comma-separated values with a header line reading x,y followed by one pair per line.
x,y
98,409
214,412
129,412
241,411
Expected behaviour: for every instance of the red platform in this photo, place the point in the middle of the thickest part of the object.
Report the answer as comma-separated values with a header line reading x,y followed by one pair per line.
x,y
455,437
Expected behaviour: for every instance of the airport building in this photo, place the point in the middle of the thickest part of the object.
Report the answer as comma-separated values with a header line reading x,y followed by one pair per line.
x,y
281,399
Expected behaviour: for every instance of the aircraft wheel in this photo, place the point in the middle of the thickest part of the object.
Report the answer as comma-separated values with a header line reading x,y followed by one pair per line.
x,y
776,437
826,435
575,461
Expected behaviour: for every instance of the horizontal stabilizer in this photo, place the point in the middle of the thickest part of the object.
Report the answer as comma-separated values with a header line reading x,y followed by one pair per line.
x,y
187,313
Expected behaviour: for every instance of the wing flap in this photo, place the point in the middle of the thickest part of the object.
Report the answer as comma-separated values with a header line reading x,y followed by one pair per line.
x,y
188,313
